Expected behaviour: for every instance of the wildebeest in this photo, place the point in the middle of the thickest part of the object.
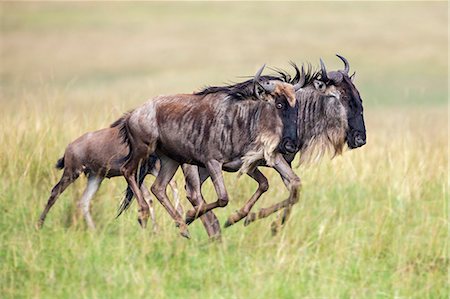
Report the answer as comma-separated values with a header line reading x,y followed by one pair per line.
x,y
216,128
97,154
324,125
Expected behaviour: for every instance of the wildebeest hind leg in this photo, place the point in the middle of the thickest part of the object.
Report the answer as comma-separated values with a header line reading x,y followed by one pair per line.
x,y
215,170
195,177
166,173
67,178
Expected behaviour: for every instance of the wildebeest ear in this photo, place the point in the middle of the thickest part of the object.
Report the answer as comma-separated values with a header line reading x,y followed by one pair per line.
x,y
352,77
258,90
319,85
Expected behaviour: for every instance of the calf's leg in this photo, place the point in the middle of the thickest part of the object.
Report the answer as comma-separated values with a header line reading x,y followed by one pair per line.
x,y
67,178
84,204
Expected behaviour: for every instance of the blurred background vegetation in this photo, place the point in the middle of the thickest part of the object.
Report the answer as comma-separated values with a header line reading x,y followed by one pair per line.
x,y
372,223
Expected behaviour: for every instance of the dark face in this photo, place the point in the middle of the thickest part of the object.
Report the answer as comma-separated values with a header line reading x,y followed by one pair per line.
x,y
356,133
289,117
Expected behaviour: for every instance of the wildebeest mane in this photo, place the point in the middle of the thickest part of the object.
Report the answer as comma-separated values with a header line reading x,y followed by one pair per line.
x,y
310,74
244,90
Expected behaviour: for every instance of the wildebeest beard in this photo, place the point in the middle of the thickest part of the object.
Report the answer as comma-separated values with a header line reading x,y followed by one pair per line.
x,y
322,125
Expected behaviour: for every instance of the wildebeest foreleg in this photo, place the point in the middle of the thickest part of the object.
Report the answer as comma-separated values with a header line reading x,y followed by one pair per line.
x,y
166,173
195,177
84,204
283,168
263,186
214,168
284,216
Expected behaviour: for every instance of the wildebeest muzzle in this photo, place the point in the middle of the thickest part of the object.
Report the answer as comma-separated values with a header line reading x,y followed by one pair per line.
x,y
356,139
287,146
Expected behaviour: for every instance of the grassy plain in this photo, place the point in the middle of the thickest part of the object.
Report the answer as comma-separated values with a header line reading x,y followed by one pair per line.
x,y
370,224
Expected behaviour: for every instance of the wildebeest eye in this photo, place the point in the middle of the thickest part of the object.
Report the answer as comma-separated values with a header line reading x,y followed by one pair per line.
x,y
279,105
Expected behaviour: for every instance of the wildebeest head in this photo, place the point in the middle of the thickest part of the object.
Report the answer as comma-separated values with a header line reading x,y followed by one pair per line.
x,y
282,96
351,99
322,121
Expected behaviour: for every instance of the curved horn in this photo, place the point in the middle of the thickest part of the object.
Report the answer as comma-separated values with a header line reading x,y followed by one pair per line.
x,y
301,80
258,73
324,70
346,64
256,81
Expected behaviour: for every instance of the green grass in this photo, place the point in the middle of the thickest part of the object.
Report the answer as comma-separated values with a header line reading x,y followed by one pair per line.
x,y
370,224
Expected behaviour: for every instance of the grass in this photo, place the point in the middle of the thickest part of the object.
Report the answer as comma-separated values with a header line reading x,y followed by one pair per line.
x,y
370,224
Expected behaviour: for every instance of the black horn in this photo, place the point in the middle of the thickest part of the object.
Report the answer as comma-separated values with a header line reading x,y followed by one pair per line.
x,y
346,64
323,70
301,80
258,73
256,81
268,86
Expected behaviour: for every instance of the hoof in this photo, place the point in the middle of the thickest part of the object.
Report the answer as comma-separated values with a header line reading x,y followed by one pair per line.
x,y
143,216
275,228
142,222
228,223
190,217
216,238
185,234
249,219
39,224
155,229
235,218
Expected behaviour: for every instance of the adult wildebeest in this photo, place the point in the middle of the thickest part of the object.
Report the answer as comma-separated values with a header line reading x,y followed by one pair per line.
x,y
217,128
324,125
97,154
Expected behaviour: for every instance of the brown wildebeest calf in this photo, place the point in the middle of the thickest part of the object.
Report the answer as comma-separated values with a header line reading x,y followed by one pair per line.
x,y
97,154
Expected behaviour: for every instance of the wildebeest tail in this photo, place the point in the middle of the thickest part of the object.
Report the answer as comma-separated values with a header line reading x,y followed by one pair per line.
x,y
146,165
60,163
124,133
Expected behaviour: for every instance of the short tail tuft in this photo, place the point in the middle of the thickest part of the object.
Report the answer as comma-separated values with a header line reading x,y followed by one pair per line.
x,y
60,163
